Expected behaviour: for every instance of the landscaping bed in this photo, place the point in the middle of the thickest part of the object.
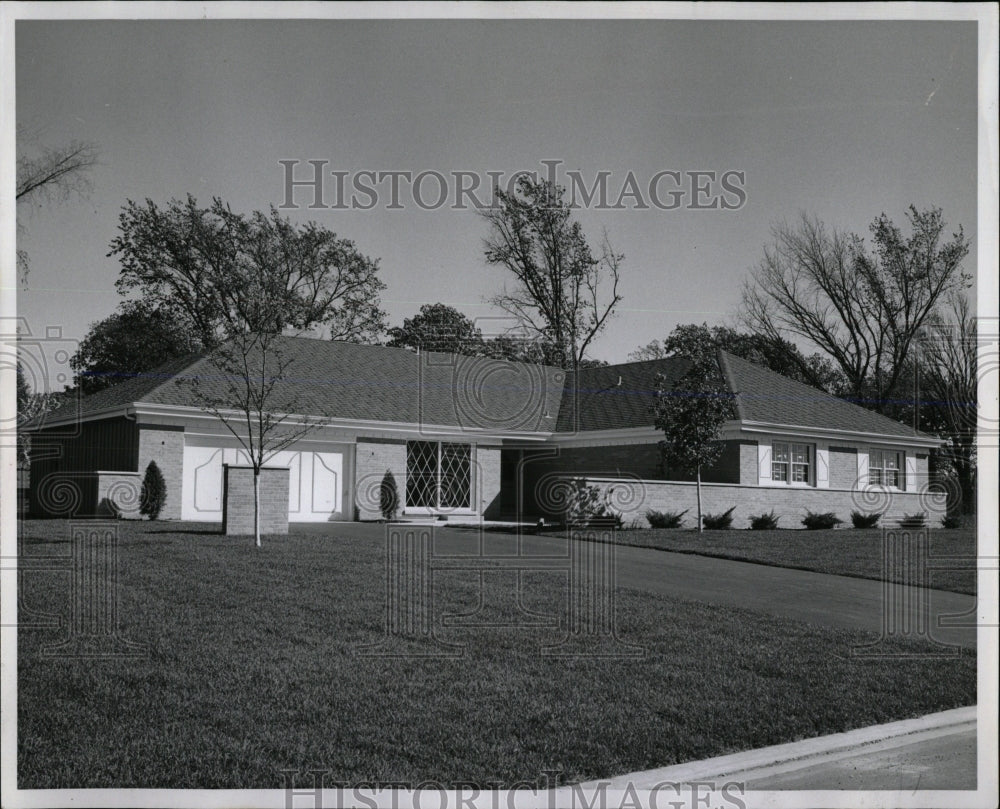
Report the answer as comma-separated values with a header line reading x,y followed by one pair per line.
x,y
252,667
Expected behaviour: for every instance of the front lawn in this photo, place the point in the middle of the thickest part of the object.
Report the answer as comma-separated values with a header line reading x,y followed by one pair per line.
x,y
252,667
845,552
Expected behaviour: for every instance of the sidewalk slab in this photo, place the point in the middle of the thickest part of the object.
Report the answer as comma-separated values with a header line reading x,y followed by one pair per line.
x,y
867,758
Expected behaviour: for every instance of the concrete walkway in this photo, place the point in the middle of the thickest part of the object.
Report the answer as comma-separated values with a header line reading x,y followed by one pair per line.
x,y
842,602
937,751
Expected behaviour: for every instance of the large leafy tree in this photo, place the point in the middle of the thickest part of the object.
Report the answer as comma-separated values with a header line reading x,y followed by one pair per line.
x,y
690,413
135,339
861,305
213,264
560,289
783,357
438,327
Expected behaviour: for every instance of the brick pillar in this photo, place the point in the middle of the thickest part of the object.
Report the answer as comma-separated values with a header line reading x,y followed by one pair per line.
x,y
237,500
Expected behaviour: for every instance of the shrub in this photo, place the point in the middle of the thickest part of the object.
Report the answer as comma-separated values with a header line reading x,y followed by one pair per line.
x,y
861,520
666,519
586,507
153,496
388,496
814,521
715,522
918,520
951,521
764,522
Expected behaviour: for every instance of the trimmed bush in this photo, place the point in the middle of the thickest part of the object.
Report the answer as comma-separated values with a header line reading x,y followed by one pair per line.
x,y
586,508
715,522
918,520
861,520
153,496
764,522
665,519
951,521
814,521
388,496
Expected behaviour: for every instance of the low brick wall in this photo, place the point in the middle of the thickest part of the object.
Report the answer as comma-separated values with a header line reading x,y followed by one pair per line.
x,y
633,498
237,500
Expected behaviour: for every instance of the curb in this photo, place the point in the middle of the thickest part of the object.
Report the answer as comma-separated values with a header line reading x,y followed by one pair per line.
x,y
798,755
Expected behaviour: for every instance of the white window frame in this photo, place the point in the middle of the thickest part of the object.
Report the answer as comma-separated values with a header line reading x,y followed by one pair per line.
x,y
789,448
880,454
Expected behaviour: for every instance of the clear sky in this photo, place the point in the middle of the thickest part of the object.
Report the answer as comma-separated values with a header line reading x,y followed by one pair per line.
x,y
840,119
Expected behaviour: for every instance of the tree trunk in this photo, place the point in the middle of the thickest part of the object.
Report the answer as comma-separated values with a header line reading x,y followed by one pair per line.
x,y
698,479
256,507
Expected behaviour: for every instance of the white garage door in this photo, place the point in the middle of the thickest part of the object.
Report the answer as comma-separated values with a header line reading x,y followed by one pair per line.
x,y
315,482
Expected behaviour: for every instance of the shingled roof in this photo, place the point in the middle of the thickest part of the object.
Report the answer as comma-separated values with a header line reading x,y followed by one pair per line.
x,y
770,398
621,396
366,383
376,383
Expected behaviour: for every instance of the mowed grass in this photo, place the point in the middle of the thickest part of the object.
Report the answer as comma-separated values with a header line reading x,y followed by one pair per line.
x,y
846,552
253,667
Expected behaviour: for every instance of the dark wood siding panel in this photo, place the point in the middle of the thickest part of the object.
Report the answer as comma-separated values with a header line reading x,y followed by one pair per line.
x,y
107,445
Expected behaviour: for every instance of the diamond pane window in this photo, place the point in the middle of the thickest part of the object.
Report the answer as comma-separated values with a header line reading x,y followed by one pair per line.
x,y
438,475
421,473
456,476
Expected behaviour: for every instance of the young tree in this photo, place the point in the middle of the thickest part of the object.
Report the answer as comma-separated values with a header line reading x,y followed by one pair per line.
x,y
244,389
133,340
862,307
200,261
691,413
438,327
561,291
45,174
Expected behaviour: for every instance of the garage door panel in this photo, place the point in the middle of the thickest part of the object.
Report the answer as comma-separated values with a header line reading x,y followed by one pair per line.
x,y
315,484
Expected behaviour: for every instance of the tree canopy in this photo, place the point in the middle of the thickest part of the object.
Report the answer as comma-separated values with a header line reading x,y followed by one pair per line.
x,y
135,339
781,356
228,272
438,327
